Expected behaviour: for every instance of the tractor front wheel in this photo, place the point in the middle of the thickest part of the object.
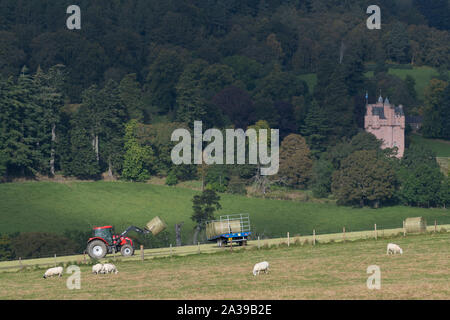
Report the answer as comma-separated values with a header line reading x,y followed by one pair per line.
x,y
127,250
96,249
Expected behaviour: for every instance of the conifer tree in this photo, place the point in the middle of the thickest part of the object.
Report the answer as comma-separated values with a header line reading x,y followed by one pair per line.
x,y
190,100
316,128
338,106
112,132
131,95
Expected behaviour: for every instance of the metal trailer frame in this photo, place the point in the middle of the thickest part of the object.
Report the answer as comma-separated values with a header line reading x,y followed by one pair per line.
x,y
229,237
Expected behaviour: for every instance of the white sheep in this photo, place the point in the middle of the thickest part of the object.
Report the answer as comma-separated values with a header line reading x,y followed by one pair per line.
x,y
53,272
109,268
393,248
262,266
97,268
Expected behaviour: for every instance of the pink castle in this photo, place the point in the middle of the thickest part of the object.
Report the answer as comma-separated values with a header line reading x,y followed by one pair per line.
x,y
386,122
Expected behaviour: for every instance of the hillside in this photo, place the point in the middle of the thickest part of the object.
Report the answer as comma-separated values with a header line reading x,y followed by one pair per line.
x,y
56,207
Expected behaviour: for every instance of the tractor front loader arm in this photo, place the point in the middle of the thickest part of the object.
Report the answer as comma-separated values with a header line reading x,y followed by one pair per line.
x,y
133,228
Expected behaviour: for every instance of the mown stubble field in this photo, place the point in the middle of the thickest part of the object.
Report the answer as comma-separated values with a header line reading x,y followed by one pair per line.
x,y
324,271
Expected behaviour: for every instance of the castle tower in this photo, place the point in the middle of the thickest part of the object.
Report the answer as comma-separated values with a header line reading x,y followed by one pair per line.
x,y
386,122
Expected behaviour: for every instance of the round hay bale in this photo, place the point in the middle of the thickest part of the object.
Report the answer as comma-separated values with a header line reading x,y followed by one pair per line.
x,y
415,225
217,228
156,225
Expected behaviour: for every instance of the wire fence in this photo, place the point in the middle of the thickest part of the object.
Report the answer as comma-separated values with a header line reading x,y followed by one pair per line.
x,y
256,242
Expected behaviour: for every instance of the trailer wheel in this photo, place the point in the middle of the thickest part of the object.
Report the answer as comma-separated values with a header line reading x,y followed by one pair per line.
x,y
96,249
127,250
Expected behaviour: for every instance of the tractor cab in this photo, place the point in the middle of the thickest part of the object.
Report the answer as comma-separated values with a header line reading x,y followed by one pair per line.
x,y
105,233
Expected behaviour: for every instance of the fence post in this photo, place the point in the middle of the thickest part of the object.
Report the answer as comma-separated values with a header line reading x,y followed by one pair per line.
x,y
435,226
142,253
404,230
171,250
376,235
343,233
198,246
84,257
288,239
55,259
20,262
258,243
314,237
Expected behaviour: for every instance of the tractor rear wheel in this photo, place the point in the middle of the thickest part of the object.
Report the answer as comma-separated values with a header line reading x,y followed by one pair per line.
x,y
96,249
127,250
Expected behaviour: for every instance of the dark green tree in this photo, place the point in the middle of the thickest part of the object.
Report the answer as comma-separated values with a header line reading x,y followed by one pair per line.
x,y
322,172
162,79
21,119
111,137
411,86
361,141
204,206
397,45
50,98
444,193
191,101
421,186
131,96
3,162
365,177
82,160
338,107
316,128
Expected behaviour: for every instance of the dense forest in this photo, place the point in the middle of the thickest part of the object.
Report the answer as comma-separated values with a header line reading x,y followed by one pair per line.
x,y
104,100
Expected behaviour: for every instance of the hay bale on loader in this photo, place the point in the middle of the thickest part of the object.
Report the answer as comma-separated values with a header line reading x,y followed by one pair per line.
x,y
156,225
415,225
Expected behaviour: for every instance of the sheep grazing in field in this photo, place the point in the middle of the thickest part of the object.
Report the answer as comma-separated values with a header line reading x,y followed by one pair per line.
x,y
262,266
53,272
393,248
109,268
97,268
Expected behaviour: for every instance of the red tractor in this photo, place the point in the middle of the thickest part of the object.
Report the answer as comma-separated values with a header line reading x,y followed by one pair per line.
x,y
105,241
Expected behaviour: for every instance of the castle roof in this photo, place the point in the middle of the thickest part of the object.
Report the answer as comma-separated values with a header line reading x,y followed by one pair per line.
x,y
378,111
414,119
399,110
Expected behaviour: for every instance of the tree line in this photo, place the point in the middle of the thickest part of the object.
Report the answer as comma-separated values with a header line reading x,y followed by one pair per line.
x,y
153,37
104,100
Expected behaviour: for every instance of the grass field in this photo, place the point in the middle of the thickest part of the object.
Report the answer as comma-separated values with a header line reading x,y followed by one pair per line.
x,y
440,147
310,79
324,271
422,76
56,207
